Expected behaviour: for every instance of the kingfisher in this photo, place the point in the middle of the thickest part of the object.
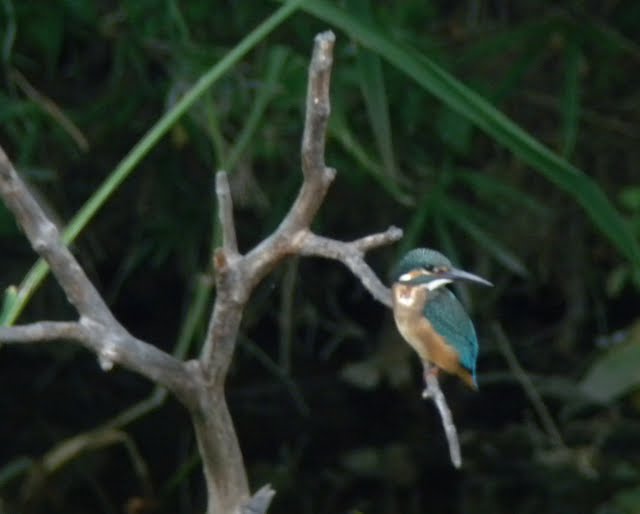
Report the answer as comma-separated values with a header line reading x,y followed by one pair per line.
x,y
429,316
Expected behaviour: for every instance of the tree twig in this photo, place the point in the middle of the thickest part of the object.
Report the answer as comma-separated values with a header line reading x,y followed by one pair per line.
x,y
237,275
225,212
51,108
96,329
530,390
43,331
433,392
351,254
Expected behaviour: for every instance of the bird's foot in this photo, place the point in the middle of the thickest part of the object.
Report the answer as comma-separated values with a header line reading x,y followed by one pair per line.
x,y
430,372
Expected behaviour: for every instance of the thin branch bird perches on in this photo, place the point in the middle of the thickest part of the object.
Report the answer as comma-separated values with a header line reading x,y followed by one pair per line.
x,y
199,383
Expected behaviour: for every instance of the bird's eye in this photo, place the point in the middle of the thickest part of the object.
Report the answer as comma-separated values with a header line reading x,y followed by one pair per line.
x,y
428,268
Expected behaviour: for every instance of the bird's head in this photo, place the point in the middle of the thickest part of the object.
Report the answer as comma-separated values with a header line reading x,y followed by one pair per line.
x,y
431,269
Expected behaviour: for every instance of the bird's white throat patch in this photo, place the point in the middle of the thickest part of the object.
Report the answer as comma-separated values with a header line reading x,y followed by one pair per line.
x,y
410,297
406,299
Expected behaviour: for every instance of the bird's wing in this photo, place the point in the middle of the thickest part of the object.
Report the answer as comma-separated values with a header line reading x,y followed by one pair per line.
x,y
449,319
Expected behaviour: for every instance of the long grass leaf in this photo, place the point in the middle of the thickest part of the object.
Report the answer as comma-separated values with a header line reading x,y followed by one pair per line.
x,y
484,115
462,217
374,91
500,191
344,135
266,92
375,96
571,99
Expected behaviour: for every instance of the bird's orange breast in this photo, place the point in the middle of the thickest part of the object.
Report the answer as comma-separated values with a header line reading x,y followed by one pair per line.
x,y
408,312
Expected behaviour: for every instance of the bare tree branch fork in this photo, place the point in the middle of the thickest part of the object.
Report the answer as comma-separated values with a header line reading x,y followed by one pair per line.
x,y
199,384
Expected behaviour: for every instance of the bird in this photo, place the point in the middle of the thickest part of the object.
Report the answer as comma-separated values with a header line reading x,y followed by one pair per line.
x,y
430,317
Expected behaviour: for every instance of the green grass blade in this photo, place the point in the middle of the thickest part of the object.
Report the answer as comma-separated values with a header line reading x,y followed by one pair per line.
x,y
344,135
375,96
462,216
265,93
374,92
214,130
39,271
614,372
531,57
414,232
9,299
443,232
493,189
571,99
517,38
485,116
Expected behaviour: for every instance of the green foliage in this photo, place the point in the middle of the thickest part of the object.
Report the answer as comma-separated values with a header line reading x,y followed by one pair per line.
x,y
617,371
10,298
473,107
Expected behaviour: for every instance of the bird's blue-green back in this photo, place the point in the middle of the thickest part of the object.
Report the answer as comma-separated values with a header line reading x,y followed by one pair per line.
x,y
448,317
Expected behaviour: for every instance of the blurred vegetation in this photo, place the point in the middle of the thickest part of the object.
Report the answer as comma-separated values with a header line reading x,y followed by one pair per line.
x,y
503,133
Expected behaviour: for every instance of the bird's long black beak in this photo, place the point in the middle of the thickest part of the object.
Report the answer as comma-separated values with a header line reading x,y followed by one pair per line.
x,y
458,274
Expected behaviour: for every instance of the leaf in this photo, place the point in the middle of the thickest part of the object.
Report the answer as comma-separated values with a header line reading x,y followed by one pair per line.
x,y
485,116
454,130
461,216
339,128
375,94
364,375
10,298
497,43
275,64
413,234
627,500
630,198
498,192
571,99
616,372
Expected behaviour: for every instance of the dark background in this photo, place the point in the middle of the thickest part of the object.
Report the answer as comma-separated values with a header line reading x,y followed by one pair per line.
x,y
324,394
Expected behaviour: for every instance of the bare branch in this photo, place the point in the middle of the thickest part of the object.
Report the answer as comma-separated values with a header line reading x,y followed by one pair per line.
x,y
351,254
432,391
45,240
237,275
235,278
367,243
225,214
42,331
317,177
65,452
260,501
223,466
529,388
112,345
318,105
97,329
